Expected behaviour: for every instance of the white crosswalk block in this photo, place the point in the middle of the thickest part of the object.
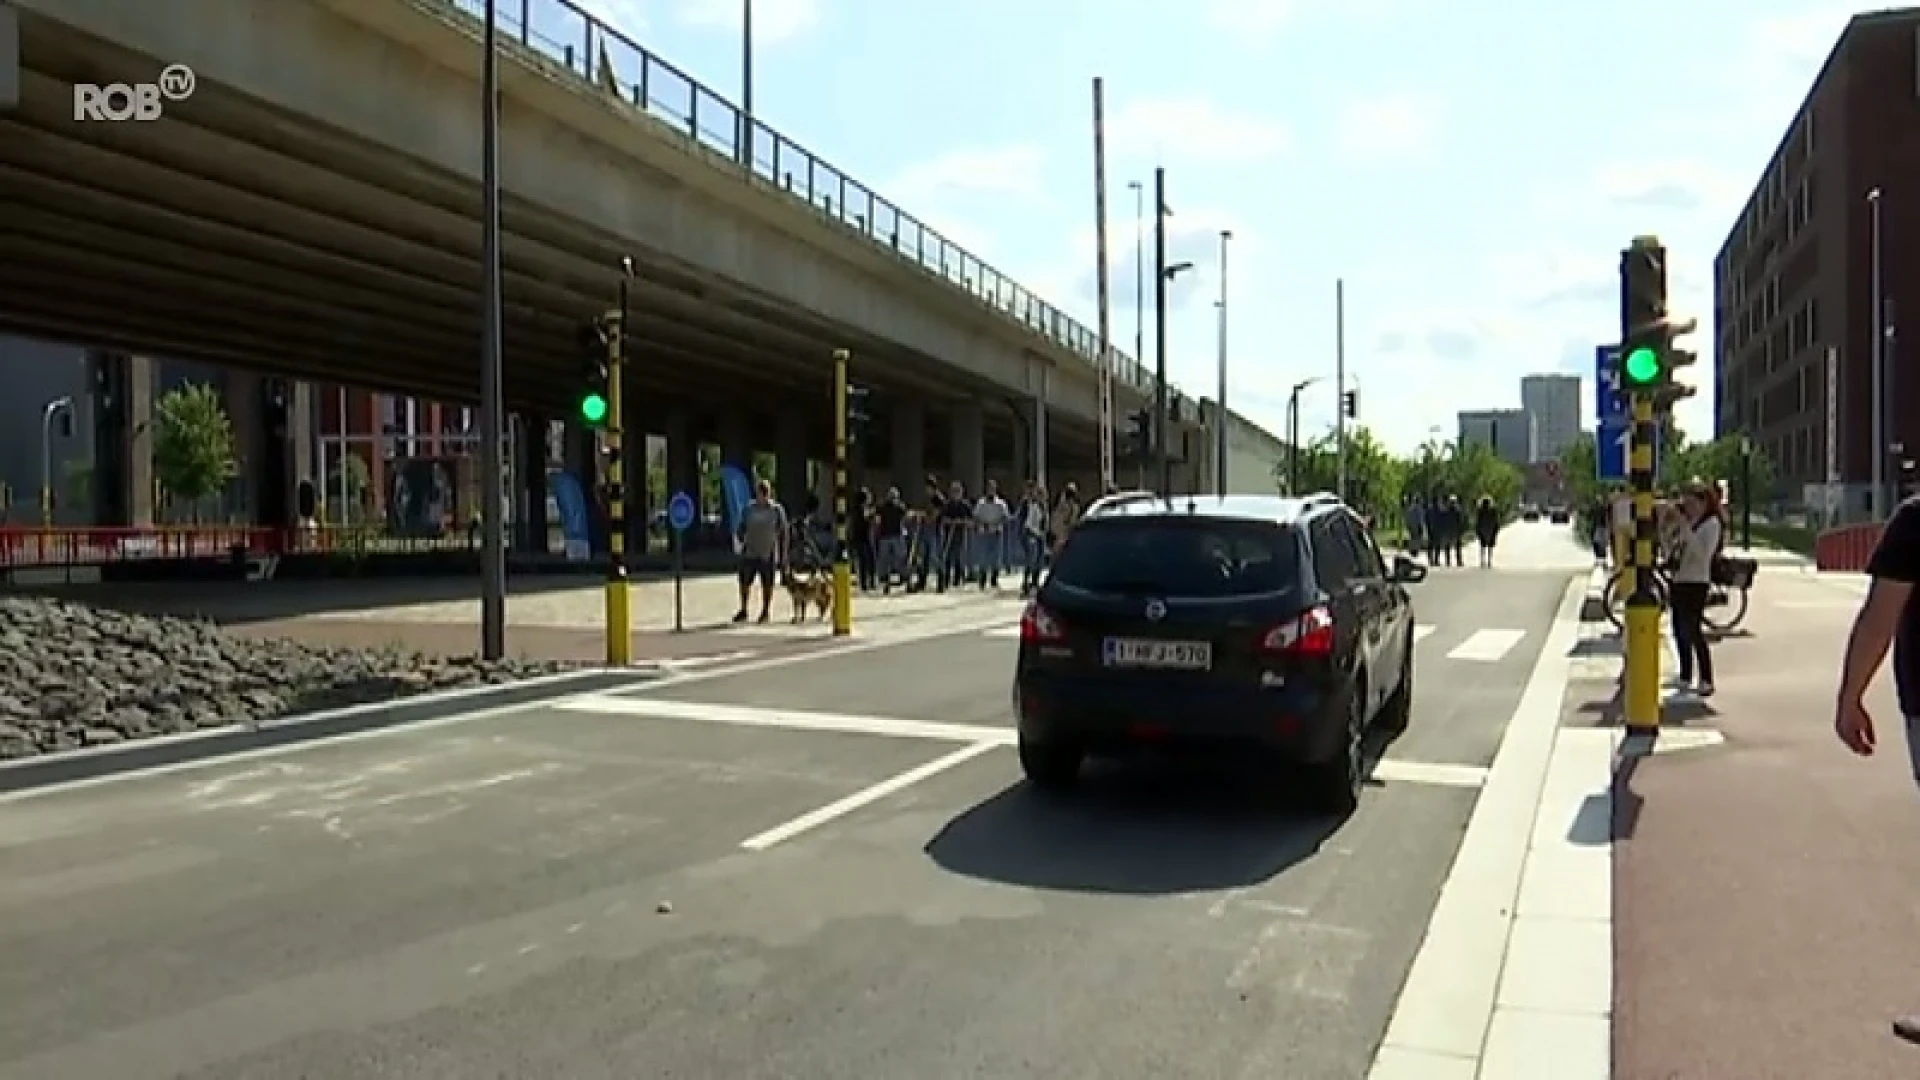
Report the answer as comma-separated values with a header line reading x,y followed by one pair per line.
x,y
1005,631
1423,632
1487,646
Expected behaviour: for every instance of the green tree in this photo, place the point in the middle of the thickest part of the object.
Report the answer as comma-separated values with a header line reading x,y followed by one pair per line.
x,y
1580,469
192,443
1374,476
1721,460
1439,470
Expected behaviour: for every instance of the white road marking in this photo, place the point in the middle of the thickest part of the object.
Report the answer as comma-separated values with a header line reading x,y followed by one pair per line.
x,y
1487,646
1437,774
1471,1004
1005,631
789,719
1422,633
813,819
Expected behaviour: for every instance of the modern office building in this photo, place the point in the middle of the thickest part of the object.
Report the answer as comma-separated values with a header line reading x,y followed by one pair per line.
x,y
1794,281
1509,433
1553,401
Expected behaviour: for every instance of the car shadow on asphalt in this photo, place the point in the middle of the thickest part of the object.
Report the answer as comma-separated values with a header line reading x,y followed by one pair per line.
x,y
1140,827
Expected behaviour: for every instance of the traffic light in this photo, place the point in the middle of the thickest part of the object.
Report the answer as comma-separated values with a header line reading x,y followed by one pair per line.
x,y
594,341
1140,433
858,415
1648,357
1350,404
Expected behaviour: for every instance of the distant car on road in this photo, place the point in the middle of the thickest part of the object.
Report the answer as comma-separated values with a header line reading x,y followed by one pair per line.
x,y
1559,515
1529,513
1244,624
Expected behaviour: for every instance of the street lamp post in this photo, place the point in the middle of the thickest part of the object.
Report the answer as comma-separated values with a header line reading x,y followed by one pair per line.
x,y
47,413
493,554
745,147
1879,425
1746,492
1293,434
1139,271
1165,276
1220,394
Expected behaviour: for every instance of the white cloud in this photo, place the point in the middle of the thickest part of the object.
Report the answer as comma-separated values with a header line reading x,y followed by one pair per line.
x,y
1192,130
994,170
1255,22
774,21
1394,127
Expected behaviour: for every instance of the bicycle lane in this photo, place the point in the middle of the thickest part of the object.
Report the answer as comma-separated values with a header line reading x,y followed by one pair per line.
x,y
1731,862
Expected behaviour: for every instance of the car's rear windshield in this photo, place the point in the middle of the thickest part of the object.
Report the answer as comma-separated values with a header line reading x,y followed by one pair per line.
x,y
1179,557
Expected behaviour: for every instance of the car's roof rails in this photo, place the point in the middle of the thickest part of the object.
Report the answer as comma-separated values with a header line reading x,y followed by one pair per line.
x,y
1121,498
1320,498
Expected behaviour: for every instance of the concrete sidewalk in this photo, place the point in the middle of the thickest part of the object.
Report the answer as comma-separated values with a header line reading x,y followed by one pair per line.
x,y
1764,885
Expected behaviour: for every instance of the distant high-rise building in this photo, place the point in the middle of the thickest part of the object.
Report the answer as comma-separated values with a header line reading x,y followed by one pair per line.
x,y
1554,403
1509,433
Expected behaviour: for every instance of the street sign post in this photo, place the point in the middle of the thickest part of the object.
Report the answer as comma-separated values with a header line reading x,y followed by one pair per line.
x,y
680,515
1614,414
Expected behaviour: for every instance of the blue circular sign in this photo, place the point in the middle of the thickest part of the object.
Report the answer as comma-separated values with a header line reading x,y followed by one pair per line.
x,y
680,511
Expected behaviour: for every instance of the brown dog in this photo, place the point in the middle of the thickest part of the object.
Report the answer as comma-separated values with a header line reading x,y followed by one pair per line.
x,y
815,589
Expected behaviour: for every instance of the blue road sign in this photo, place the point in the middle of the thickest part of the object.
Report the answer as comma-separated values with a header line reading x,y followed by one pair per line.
x,y
680,511
1607,398
1610,447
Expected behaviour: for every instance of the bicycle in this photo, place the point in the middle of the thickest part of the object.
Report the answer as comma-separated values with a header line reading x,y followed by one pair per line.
x,y
1731,596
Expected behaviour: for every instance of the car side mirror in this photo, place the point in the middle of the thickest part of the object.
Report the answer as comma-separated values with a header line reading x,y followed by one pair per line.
x,y
1406,572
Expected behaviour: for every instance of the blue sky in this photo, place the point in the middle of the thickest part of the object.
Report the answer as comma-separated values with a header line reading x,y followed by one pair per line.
x,y
1470,168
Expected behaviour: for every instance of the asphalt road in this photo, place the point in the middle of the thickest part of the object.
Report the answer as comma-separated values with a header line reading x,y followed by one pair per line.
x,y
682,883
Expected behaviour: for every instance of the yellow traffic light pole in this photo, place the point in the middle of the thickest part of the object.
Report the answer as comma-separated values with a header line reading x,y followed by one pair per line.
x,y
619,613
1643,604
842,553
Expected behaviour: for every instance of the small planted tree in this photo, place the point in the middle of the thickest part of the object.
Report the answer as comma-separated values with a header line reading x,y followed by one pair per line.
x,y
192,444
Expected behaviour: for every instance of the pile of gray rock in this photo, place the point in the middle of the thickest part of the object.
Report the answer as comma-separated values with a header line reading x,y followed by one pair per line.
x,y
73,675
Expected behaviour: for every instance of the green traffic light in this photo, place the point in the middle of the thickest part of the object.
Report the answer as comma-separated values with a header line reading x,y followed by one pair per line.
x,y
1642,366
593,409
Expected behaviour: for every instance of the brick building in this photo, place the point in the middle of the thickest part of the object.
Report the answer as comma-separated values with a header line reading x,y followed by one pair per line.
x,y
1793,282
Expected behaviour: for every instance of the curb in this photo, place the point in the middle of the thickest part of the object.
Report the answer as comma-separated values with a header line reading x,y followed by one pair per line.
x,y
66,767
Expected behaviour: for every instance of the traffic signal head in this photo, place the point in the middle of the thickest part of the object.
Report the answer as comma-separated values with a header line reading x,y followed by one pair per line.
x,y
1141,423
593,408
1350,404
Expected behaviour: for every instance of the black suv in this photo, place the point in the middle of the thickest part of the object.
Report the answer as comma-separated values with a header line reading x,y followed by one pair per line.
x,y
1241,623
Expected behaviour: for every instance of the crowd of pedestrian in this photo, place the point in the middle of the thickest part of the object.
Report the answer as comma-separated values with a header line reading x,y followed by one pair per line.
x,y
1440,526
951,539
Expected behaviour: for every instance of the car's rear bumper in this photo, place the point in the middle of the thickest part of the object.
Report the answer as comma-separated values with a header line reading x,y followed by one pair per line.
x,y
1114,716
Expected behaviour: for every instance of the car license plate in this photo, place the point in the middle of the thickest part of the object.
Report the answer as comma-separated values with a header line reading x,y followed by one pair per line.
x,y
1179,655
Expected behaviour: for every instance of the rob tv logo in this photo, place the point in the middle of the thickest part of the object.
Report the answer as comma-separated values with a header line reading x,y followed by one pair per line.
x,y
138,102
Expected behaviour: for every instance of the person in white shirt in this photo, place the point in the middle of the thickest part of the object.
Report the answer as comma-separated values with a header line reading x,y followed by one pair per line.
x,y
1697,543
990,517
1033,535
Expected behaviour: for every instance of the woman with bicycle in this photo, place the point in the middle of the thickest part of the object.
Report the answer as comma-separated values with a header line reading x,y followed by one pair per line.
x,y
1697,536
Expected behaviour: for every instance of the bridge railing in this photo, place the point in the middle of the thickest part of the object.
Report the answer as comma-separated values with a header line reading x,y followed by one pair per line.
x,y
600,54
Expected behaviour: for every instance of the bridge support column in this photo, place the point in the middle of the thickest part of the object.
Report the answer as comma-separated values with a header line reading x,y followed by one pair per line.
x,y
909,464
736,441
683,456
531,535
790,459
969,463
121,392
1020,466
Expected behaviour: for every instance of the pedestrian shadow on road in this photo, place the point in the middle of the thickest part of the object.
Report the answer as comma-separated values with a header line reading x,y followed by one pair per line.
x,y
1142,828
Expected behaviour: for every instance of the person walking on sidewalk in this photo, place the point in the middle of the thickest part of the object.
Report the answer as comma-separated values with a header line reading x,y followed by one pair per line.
x,y
1486,529
1890,616
1696,538
763,535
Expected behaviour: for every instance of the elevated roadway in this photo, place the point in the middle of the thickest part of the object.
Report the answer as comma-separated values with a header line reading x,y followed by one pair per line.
x,y
312,210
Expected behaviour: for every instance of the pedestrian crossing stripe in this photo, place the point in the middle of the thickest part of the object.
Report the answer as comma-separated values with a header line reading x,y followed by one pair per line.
x,y
1422,632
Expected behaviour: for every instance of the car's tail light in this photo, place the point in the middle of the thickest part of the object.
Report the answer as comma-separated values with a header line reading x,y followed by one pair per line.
x,y
1309,637
1038,624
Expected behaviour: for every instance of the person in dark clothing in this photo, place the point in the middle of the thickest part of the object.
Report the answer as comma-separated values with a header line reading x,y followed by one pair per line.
x,y
956,520
1457,529
1435,517
890,540
1486,529
931,551
1889,616
860,526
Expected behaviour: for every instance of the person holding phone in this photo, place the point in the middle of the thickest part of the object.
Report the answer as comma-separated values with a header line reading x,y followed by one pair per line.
x,y
1695,534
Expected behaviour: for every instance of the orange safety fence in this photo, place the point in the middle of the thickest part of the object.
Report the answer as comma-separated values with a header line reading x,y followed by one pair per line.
x,y
38,547
1846,548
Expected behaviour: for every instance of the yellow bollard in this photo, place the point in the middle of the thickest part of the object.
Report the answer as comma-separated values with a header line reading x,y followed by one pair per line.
x,y
1643,606
842,547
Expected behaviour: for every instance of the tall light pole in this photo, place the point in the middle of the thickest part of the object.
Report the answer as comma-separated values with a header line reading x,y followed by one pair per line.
x,y
1220,394
1880,503
1164,277
1139,271
745,147
1293,434
47,413
493,554
1340,380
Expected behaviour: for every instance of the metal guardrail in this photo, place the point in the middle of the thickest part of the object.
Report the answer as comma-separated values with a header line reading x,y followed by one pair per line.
x,y
579,42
